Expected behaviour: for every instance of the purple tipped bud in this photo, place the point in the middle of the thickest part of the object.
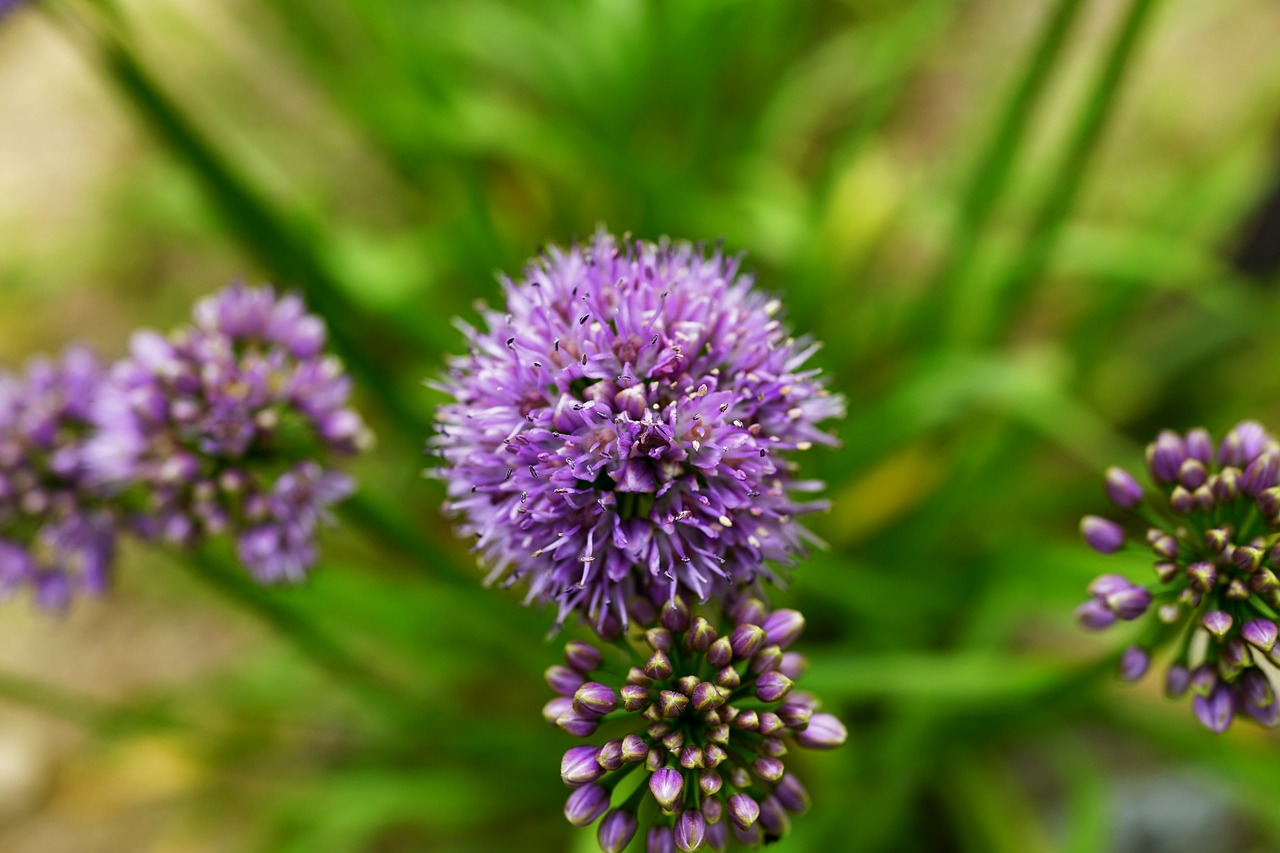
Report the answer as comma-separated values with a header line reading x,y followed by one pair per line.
x,y
1129,603
794,665
1235,655
746,640
1192,474
1217,538
1165,456
691,758
747,721
1101,535
1226,485
564,680
1203,680
701,635
751,610
691,831
772,686
1169,613
635,675
557,706
667,785
728,678
717,835
579,766
581,656
774,818
660,840
767,659
706,698
586,804
675,616
739,778
1202,576
1165,571
794,715
1134,663
1259,633
1247,558
783,627
753,837
576,724
709,783
1094,615
655,760
1217,623
658,667
792,795
1104,585
720,652
1256,690
634,749
616,831
824,732
659,639
686,684
674,741
1181,501
1260,474
1245,441
743,810
714,755
610,757
1165,546
770,723
768,768
1215,710
634,697
1122,488
1236,590
594,699
1176,681
673,703
1199,445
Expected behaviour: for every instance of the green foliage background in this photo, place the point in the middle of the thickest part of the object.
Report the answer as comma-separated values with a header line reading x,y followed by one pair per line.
x,y
1009,222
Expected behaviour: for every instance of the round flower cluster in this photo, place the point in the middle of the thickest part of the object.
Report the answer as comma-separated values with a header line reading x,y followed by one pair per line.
x,y
705,712
56,534
1215,534
226,426
622,426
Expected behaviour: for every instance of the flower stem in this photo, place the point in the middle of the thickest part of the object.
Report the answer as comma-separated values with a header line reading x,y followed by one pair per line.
x,y
358,678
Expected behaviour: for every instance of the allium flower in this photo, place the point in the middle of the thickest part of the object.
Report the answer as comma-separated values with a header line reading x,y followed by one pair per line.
x,y
56,534
706,714
227,425
623,426
1216,540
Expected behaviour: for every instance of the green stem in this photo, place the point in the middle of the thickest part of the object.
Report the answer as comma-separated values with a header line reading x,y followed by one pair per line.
x,y
998,300
995,164
387,525
361,681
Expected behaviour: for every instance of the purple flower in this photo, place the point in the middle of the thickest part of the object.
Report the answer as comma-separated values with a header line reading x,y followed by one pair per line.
x,y
1215,569
227,425
57,533
624,425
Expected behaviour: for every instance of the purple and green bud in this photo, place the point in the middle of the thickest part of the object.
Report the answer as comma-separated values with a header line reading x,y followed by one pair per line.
x,y
616,831
1102,535
586,804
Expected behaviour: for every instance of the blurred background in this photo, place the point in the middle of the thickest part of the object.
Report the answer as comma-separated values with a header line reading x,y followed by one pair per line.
x,y
1030,234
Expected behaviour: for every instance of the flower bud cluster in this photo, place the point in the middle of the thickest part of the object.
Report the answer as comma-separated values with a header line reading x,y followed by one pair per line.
x,y
704,711
1214,530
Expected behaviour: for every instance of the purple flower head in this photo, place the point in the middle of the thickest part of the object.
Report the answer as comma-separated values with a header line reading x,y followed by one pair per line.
x,y
57,534
706,729
227,426
1216,570
625,424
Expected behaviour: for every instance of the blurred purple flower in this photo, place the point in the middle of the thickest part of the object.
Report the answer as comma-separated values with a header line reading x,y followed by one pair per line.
x,y
57,535
624,425
227,425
